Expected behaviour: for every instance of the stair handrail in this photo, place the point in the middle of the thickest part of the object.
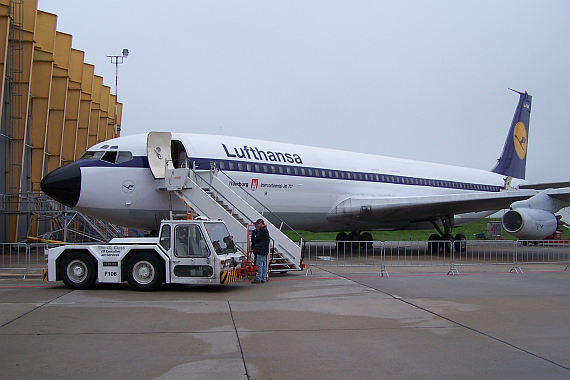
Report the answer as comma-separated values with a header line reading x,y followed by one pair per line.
x,y
219,193
218,170
214,166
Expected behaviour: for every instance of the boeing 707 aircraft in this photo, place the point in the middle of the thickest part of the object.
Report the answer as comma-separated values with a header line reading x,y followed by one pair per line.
x,y
314,189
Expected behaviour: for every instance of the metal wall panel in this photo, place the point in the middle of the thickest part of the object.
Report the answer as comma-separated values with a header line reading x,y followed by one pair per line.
x,y
54,109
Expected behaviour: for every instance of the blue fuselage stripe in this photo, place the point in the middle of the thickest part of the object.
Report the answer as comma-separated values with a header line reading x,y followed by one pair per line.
x,y
304,171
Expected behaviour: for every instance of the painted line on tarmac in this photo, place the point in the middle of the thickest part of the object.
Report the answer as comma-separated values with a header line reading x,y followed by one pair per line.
x,y
305,278
458,323
36,308
30,286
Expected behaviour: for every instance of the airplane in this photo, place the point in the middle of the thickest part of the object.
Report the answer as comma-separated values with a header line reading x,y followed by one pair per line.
x,y
315,189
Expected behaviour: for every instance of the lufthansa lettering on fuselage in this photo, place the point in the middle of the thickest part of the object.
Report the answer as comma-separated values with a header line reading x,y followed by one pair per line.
x,y
254,153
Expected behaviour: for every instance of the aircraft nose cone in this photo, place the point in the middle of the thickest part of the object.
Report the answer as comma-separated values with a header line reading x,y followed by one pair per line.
x,y
63,184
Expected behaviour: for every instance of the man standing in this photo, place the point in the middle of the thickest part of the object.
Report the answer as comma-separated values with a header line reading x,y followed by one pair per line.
x,y
260,243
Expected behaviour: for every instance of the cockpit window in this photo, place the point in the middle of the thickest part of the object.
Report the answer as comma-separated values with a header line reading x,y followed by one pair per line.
x,y
111,156
90,155
124,157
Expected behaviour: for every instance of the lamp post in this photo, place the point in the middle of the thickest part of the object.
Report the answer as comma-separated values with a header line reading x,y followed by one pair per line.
x,y
117,60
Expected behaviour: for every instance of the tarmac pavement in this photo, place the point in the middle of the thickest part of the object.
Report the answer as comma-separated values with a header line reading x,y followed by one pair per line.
x,y
335,323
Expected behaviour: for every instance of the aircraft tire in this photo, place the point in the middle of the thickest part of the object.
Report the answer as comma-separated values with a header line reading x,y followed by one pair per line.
x,y
354,237
78,271
460,243
342,243
366,239
433,244
448,242
144,272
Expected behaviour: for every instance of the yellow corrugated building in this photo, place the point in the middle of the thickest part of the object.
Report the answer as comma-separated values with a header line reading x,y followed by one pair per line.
x,y
53,108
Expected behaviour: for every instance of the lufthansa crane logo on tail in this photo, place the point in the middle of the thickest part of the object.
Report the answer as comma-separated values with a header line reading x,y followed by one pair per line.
x,y
520,140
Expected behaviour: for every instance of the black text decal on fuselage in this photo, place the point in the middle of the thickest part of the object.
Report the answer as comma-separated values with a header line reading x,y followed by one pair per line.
x,y
254,153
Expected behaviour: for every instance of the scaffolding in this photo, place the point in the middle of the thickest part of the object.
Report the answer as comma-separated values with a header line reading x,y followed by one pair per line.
x,y
58,222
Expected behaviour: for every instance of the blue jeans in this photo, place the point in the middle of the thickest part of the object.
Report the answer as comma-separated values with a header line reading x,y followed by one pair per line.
x,y
261,268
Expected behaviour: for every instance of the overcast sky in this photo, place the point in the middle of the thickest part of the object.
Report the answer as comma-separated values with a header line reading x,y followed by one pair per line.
x,y
424,80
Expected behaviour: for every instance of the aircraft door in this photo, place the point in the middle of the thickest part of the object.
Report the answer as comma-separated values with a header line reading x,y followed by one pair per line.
x,y
192,258
159,153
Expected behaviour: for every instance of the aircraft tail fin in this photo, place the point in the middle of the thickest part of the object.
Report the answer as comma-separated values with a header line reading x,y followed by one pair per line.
x,y
512,162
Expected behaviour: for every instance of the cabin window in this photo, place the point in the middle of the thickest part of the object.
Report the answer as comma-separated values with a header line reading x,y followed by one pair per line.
x,y
310,171
256,167
231,165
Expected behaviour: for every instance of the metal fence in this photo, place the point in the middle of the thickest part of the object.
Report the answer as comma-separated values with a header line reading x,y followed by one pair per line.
x,y
25,259
22,259
436,253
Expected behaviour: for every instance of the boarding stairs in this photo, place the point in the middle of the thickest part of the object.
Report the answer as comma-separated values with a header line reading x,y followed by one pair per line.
x,y
206,195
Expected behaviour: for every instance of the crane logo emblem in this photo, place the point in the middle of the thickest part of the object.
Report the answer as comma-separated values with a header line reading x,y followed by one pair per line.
x,y
520,140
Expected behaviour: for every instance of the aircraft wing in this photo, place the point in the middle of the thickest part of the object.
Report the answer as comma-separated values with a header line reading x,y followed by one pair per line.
x,y
562,194
424,208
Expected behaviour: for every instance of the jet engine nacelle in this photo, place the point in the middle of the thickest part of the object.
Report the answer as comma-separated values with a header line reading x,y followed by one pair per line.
x,y
530,224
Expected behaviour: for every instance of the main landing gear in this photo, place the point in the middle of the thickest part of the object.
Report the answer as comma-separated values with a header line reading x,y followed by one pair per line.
x,y
354,239
445,240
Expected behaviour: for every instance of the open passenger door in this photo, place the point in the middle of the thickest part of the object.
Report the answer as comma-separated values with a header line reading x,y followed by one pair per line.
x,y
158,153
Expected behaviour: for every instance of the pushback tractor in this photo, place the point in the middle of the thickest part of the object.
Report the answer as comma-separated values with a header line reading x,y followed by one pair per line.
x,y
185,252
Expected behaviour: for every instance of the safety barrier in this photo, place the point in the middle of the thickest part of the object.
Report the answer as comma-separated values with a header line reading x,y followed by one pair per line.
x,y
22,259
25,259
435,253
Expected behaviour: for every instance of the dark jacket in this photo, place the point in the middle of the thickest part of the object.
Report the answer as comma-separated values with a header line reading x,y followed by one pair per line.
x,y
260,242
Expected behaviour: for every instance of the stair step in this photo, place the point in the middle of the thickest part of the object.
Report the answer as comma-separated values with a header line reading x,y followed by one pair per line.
x,y
286,252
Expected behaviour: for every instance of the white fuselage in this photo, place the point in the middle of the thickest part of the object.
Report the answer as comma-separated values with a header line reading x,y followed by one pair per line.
x,y
300,184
